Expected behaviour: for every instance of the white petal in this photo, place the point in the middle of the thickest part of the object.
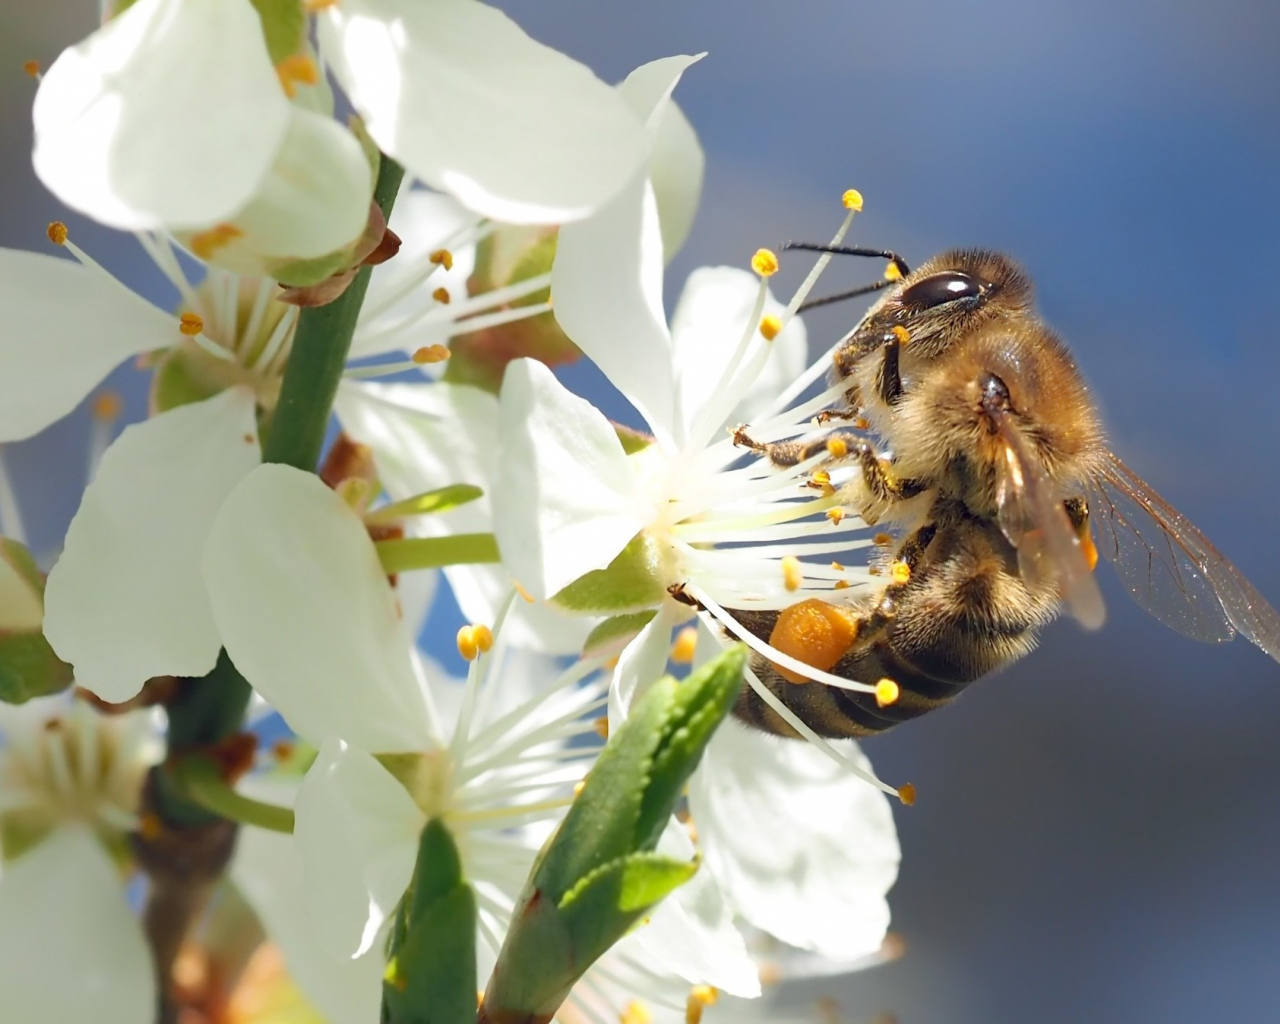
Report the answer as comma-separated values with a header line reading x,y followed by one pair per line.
x,y
72,949
269,872
456,91
313,202
676,161
125,601
806,851
643,661
676,169
425,222
357,836
607,283
706,330
167,116
692,934
566,499
306,613
426,436
66,328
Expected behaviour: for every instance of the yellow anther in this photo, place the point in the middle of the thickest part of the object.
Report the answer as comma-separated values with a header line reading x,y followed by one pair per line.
x,y
467,645
483,637
882,539
635,1012
893,272
316,6
686,644
861,423
852,200
107,406
887,692
820,478
206,243
430,354
837,567
601,725
792,574
770,326
699,999
442,258
842,585
836,515
770,973
57,232
190,324
764,263
528,597
31,67
612,663
282,750
900,572
297,70
578,787
837,447
901,333
907,794
441,295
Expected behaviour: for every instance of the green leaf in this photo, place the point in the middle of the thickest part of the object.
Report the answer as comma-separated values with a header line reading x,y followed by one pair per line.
x,y
29,668
440,500
431,976
615,633
701,703
598,873
632,581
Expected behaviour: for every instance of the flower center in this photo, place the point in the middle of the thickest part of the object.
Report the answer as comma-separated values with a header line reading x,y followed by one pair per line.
x,y
73,765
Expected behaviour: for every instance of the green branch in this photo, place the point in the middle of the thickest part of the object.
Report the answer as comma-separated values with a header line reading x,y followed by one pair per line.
x,y
319,355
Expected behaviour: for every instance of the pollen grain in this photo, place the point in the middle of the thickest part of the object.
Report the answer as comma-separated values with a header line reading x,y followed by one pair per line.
x,y
57,232
852,200
190,324
770,327
764,263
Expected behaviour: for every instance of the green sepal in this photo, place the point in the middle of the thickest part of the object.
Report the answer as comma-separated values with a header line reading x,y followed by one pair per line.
x,y
284,26
632,581
632,440
615,633
303,273
28,666
431,975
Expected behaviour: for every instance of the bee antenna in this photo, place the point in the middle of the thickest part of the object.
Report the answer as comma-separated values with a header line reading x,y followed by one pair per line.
x,y
897,269
847,250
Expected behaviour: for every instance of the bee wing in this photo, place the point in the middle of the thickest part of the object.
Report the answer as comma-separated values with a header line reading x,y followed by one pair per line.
x,y
1171,568
1031,515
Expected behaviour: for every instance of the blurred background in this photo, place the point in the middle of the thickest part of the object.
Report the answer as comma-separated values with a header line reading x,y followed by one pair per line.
x,y
1098,829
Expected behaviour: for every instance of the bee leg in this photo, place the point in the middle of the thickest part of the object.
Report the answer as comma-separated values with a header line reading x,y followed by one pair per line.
x,y
890,382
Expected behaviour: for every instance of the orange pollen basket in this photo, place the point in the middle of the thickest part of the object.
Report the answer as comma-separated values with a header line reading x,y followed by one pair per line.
x,y
814,632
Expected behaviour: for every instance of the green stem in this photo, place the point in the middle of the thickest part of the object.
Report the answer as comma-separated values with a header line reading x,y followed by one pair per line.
x,y
406,553
198,778
319,355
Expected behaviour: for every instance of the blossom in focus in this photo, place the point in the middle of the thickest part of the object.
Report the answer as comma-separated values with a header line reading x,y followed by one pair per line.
x,y
125,601
70,780
496,759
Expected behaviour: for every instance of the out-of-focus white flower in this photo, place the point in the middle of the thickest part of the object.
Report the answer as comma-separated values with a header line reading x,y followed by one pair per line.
x,y
69,786
457,92
172,116
125,601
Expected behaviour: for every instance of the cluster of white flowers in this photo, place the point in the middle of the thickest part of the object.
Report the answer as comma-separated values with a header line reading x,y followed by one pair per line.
x,y
206,128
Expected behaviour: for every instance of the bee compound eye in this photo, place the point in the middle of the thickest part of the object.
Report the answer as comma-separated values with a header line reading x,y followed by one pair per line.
x,y
939,289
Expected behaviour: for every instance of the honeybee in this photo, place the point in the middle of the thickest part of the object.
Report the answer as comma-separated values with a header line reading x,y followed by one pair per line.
x,y
995,471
